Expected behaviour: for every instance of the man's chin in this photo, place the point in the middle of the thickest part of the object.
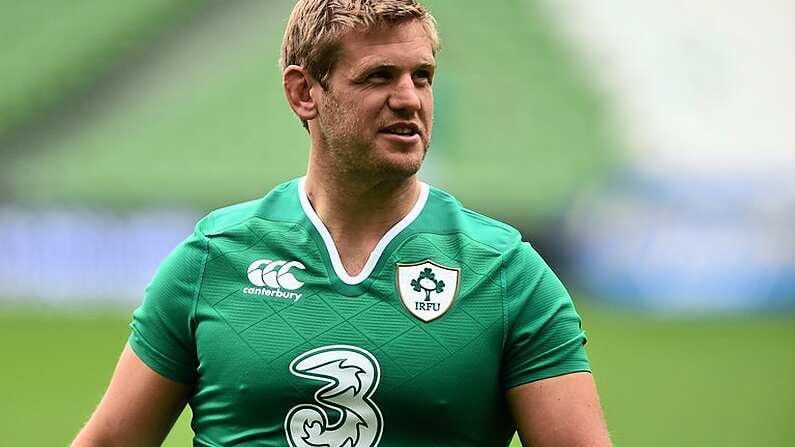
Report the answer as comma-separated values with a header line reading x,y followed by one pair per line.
x,y
397,166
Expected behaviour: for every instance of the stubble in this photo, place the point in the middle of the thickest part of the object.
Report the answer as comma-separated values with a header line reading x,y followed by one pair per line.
x,y
350,153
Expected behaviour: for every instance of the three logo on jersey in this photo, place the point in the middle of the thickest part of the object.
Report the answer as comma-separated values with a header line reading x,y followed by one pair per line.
x,y
426,288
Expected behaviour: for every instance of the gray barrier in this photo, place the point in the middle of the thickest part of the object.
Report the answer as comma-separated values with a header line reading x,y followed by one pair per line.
x,y
65,255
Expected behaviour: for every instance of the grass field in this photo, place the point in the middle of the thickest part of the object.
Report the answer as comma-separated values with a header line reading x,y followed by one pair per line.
x,y
664,382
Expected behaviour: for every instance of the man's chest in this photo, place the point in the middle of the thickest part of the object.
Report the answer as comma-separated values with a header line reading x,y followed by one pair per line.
x,y
281,347
260,332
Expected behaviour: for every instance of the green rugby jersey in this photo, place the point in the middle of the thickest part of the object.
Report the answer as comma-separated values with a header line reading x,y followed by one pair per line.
x,y
283,348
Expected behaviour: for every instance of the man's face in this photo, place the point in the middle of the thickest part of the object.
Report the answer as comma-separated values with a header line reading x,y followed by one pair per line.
x,y
375,119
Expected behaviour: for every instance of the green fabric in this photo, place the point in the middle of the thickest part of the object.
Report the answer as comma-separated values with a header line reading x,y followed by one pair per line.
x,y
348,363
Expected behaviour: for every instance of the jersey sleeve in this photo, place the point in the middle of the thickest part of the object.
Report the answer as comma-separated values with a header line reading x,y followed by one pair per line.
x,y
544,336
163,326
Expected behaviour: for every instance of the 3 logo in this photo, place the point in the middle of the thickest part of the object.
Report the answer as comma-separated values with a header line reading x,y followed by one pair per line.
x,y
271,276
351,375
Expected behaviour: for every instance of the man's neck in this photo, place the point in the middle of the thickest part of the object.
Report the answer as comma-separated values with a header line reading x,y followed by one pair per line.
x,y
357,213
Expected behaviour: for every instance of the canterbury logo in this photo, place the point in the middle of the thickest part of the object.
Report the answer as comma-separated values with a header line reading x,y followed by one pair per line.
x,y
274,274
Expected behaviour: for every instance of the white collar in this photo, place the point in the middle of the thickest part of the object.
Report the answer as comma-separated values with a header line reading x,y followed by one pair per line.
x,y
375,255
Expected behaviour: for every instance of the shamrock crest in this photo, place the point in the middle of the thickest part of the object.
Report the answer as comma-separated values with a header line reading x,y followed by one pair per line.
x,y
427,282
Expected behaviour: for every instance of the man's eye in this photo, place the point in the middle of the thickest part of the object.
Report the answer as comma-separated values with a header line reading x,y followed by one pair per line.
x,y
424,75
378,75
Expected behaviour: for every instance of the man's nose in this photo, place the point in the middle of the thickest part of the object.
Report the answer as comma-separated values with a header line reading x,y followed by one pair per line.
x,y
406,95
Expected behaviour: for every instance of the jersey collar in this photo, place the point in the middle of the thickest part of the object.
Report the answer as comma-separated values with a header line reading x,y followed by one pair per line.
x,y
375,255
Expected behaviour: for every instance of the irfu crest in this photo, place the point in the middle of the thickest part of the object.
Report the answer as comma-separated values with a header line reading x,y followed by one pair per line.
x,y
427,281
427,289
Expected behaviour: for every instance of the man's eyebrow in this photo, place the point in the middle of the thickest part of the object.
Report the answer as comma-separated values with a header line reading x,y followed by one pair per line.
x,y
427,65
367,66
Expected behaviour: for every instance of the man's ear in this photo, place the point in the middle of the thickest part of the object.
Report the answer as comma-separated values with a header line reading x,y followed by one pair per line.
x,y
297,88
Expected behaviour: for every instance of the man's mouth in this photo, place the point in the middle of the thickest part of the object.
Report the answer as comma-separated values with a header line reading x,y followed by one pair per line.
x,y
401,129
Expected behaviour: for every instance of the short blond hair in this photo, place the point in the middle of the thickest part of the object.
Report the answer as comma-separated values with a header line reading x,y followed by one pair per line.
x,y
316,27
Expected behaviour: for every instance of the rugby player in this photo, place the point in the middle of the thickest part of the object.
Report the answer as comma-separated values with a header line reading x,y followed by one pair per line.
x,y
355,306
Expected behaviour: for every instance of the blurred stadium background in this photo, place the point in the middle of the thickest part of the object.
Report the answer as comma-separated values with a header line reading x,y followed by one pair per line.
x,y
645,148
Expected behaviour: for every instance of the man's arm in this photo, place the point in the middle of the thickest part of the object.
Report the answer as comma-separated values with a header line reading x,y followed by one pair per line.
x,y
560,411
139,407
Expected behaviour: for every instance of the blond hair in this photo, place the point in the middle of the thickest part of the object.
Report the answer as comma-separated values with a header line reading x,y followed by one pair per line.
x,y
316,27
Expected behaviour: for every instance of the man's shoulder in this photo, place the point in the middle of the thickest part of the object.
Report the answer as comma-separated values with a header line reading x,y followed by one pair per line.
x,y
279,205
447,216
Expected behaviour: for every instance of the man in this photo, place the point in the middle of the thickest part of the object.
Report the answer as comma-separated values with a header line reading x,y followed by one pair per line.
x,y
355,307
